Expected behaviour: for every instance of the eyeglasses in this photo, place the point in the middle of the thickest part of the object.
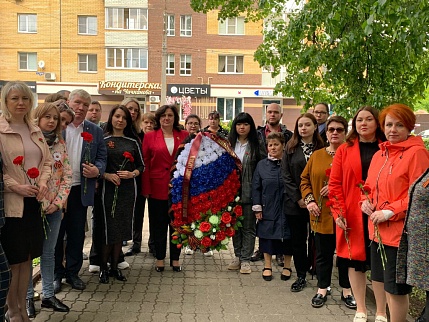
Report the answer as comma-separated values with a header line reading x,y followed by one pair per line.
x,y
319,112
338,129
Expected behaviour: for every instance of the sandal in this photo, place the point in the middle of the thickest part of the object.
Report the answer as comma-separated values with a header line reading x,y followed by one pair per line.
x,y
267,277
286,277
360,317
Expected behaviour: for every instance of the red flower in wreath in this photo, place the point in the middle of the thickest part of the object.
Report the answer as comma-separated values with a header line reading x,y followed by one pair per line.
x,y
238,210
226,218
220,235
229,231
206,242
205,227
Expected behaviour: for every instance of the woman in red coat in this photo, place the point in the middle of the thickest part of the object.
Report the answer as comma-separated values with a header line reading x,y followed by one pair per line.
x,y
159,150
350,166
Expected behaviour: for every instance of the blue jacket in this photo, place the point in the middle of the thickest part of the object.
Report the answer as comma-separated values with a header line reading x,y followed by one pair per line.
x,y
268,191
98,158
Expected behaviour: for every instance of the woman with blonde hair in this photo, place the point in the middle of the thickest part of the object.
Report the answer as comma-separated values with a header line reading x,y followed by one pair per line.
x,y
23,147
47,117
133,107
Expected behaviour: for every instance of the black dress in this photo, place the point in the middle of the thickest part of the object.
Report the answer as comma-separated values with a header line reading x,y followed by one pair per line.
x,y
118,226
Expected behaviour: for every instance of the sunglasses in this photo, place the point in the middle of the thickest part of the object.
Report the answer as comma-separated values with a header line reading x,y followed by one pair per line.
x,y
338,129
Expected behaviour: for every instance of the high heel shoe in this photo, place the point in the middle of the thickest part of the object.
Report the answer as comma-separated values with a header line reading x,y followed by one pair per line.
x,y
116,273
159,268
175,268
104,276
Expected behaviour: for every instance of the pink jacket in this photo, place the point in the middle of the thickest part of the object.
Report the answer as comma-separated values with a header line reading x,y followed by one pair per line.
x,y
392,171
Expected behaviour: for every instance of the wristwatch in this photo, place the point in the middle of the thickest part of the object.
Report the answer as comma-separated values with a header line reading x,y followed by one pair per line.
x,y
99,175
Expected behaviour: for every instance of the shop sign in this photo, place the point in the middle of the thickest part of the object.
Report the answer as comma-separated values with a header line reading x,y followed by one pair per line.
x,y
31,85
188,90
127,88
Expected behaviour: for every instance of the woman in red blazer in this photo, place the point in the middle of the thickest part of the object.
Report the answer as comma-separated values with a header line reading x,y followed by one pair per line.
x,y
349,167
159,150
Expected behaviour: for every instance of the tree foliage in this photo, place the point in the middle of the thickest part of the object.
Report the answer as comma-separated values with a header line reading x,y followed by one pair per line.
x,y
346,52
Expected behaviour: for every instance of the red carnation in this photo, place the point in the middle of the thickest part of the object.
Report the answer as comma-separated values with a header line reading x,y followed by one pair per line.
x,y
230,232
175,237
205,227
206,241
328,172
128,156
238,210
226,217
18,160
360,184
33,173
366,189
220,235
87,137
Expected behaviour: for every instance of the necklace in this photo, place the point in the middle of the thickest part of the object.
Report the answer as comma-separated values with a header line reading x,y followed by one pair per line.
x,y
331,153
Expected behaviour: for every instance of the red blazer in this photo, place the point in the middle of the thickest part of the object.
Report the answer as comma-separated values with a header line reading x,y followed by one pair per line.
x,y
158,162
345,174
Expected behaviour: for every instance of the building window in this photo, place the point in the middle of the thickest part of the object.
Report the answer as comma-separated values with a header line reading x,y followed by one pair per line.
x,y
127,58
229,108
126,18
232,26
230,64
87,62
170,25
27,61
185,65
170,64
186,26
27,23
87,25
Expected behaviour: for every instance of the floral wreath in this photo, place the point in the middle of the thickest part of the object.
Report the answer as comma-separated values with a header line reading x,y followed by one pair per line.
x,y
204,194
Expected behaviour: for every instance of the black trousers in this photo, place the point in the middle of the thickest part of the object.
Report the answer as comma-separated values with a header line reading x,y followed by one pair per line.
x,y
159,226
299,231
73,224
325,248
138,223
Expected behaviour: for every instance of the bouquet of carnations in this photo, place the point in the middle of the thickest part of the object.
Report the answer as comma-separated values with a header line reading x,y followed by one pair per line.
x,y
204,194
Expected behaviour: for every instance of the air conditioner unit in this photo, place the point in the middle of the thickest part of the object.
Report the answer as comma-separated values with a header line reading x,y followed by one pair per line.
x,y
50,76
154,99
153,107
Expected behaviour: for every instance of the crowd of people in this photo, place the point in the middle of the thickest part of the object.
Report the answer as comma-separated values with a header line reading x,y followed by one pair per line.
x,y
306,195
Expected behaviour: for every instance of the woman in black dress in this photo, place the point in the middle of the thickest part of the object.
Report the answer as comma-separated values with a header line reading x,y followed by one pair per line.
x,y
118,188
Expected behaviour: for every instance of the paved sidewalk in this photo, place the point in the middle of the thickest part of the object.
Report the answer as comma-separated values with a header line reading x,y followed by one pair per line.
x,y
204,291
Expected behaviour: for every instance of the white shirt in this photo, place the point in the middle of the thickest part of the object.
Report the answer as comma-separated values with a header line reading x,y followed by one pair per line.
x,y
74,144
169,142
240,149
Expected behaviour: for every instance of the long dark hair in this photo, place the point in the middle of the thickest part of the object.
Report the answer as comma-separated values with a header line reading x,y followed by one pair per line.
x,y
252,137
353,134
296,137
161,110
128,130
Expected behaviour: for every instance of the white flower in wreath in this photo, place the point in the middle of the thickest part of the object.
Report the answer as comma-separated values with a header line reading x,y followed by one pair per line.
x,y
225,241
198,233
193,226
212,237
56,156
214,220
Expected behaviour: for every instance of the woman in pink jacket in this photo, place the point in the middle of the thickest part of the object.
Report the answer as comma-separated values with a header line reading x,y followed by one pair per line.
x,y
400,161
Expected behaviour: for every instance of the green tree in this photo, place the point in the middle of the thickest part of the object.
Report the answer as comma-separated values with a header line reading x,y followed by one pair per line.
x,y
346,52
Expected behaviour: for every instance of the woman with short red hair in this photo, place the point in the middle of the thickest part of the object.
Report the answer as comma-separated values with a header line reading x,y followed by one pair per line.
x,y
400,161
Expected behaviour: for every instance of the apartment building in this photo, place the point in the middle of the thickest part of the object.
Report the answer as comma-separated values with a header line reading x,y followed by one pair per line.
x,y
114,49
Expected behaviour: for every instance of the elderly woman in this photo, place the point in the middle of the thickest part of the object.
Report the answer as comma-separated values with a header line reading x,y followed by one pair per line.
x,y
314,190
22,234
148,122
159,150
304,142
400,161
349,167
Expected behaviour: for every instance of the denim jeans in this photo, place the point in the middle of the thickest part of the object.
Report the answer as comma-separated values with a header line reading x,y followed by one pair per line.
x,y
244,238
47,260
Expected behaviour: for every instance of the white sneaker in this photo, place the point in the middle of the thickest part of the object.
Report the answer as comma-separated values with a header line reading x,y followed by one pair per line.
x,y
380,318
123,265
245,268
189,251
208,254
235,264
94,269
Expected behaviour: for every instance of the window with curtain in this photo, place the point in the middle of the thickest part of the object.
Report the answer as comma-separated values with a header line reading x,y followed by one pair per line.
x,y
27,61
127,58
231,26
229,108
126,18
170,64
185,65
87,25
87,62
170,25
186,26
230,64
27,23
